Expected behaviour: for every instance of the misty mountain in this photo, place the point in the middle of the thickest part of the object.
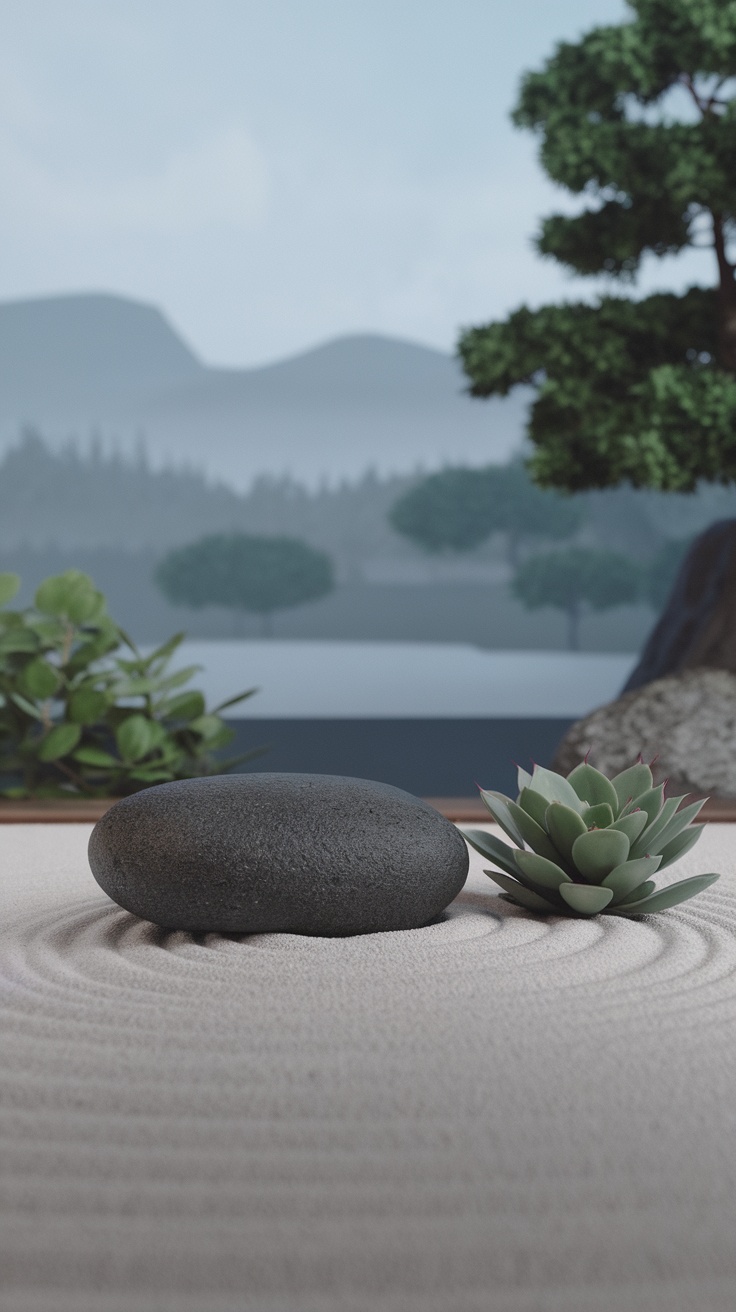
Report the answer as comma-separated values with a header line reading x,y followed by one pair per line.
x,y
76,364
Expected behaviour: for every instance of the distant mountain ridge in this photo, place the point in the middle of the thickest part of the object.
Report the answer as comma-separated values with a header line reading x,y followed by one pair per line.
x,y
71,364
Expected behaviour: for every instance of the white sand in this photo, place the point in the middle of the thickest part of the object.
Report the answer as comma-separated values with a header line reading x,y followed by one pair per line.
x,y
496,1113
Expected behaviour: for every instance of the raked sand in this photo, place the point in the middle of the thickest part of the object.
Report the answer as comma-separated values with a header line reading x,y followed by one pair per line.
x,y
496,1113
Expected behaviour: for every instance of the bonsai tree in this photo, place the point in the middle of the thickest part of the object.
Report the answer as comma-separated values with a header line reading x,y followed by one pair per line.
x,y
77,718
247,573
640,119
456,509
572,579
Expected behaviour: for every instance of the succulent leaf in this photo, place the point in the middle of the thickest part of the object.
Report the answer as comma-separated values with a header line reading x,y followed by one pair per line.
x,y
494,849
636,896
555,787
651,801
631,825
542,872
599,816
630,875
673,850
593,787
499,807
598,852
523,778
532,833
632,782
677,824
563,826
586,899
524,896
588,844
668,897
647,840
534,804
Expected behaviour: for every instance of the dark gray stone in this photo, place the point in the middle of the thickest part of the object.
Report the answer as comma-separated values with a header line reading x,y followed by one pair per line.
x,y
290,853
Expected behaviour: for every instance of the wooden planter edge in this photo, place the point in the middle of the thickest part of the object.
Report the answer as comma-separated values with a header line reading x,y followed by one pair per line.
x,y
463,810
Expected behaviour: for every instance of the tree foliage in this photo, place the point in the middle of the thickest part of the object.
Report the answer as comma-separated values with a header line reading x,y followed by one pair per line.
x,y
457,509
245,572
640,119
454,509
577,576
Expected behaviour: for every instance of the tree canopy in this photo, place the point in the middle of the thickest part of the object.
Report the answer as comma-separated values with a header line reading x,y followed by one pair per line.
x,y
245,572
457,508
573,577
639,118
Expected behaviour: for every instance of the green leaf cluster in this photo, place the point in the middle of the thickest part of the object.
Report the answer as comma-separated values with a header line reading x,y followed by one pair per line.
x,y
457,508
566,578
77,718
639,120
245,571
587,844
626,391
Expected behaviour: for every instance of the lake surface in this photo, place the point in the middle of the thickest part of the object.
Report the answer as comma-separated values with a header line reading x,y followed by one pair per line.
x,y
348,680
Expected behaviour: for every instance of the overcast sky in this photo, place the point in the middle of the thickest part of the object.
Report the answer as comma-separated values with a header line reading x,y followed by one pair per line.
x,y
275,174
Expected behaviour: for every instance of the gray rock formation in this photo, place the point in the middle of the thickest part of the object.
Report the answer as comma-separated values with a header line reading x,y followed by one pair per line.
x,y
688,721
293,853
697,627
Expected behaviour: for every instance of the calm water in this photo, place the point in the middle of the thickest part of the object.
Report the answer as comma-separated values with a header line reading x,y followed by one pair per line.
x,y
402,679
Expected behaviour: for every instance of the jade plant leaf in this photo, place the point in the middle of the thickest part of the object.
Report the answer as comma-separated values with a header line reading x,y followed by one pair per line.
x,y
593,787
631,783
586,898
542,872
680,845
525,896
492,847
636,896
599,816
499,807
651,801
534,804
632,825
625,878
563,826
598,852
669,896
532,833
555,787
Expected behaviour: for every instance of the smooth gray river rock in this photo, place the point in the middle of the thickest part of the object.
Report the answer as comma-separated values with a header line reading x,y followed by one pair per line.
x,y
290,853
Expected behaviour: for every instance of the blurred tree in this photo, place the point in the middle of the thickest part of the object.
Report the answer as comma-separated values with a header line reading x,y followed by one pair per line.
x,y
245,572
640,119
457,509
571,579
452,510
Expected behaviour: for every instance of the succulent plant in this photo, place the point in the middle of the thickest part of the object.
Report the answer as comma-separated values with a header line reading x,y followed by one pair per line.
x,y
588,844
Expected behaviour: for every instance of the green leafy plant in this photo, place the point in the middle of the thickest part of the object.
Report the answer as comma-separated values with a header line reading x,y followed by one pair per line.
x,y
77,718
589,844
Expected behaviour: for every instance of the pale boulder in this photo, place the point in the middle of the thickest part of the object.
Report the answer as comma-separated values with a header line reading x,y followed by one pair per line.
x,y
687,721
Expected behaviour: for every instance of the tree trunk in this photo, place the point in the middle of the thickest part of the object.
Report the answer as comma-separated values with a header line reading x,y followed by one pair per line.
x,y
726,299
698,624
573,626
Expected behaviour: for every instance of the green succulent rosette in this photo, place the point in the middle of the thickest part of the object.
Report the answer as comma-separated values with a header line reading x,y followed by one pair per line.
x,y
587,844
